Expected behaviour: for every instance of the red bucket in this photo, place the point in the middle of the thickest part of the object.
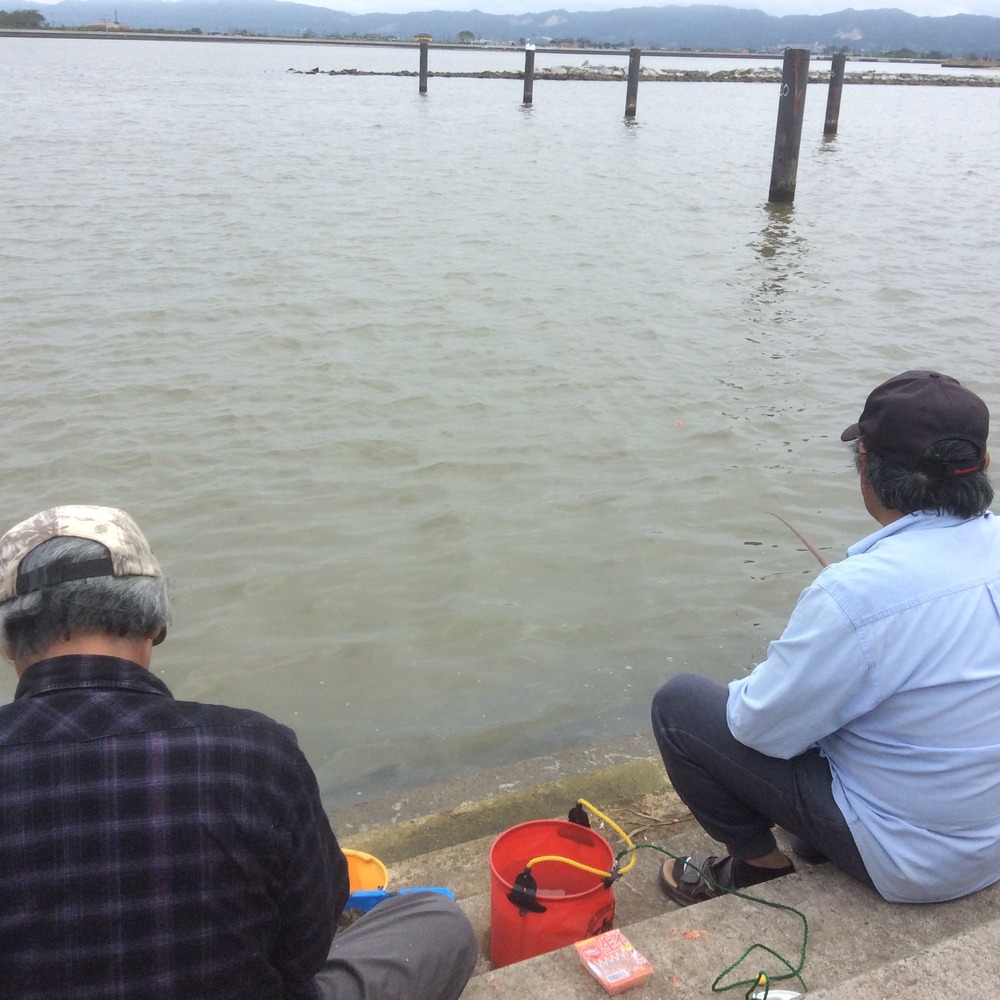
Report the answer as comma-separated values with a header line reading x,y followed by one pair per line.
x,y
577,904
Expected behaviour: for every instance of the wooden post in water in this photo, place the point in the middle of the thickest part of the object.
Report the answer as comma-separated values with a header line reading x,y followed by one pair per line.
x,y
423,67
788,135
833,97
632,93
529,72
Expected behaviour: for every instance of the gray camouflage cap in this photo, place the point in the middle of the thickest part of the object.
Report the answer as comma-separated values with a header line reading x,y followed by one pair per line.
x,y
128,551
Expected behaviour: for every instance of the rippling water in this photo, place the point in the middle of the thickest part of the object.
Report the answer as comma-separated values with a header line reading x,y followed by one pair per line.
x,y
459,424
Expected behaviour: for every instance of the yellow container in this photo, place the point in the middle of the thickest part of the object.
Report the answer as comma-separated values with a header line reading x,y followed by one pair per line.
x,y
365,871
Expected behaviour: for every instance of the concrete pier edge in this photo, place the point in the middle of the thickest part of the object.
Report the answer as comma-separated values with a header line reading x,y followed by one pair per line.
x,y
488,802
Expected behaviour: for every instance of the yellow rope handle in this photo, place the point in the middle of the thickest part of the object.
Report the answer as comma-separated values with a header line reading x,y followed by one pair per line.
x,y
586,868
614,826
570,862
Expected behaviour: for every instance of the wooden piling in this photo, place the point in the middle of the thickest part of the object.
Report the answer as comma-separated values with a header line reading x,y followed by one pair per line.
x,y
833,96
423,67
529,72
788,135
632,93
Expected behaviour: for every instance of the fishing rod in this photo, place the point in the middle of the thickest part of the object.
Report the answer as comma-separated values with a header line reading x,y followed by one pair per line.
x,y
823,561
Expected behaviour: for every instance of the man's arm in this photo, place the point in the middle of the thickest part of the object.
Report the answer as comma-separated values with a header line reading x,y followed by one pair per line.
x,y
316,884
815,679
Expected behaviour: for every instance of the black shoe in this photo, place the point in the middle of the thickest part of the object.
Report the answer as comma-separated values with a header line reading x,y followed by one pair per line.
x,y
702,876
804,850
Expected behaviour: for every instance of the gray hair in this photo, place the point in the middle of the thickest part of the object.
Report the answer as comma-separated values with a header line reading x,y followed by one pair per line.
x,y
909,490
126,606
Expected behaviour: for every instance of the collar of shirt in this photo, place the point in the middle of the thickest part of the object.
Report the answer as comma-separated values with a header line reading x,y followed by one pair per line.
x,y
75,672
917,521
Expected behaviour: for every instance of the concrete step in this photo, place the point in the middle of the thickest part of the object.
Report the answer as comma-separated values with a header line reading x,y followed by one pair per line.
x,y
858,947
965,966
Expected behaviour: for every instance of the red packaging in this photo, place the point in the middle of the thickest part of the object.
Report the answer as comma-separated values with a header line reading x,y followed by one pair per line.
x,y
612,960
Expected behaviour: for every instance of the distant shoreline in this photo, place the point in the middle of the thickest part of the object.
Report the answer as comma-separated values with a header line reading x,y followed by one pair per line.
x,y
595,73
184,36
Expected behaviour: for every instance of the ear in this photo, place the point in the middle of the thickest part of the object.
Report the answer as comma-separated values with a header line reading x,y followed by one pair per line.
x,y
986,461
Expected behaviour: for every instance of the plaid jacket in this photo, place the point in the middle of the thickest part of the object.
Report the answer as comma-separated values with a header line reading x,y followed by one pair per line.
x,y
156,848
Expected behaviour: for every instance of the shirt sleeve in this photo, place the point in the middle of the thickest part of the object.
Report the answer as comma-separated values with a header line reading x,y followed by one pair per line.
x,y
815,679
316,886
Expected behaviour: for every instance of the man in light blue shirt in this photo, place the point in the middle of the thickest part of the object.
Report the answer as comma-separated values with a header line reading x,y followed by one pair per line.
x,y
871,733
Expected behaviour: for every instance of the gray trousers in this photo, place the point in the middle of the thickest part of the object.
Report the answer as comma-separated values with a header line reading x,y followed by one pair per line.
x,y
412,947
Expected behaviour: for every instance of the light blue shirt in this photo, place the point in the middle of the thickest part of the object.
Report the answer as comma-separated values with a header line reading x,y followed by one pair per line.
x,y
890,663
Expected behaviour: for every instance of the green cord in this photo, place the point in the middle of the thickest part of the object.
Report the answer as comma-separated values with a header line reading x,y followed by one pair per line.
x,y
794,972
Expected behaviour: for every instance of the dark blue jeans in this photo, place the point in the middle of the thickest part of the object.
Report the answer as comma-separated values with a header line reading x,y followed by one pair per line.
x,y
738,794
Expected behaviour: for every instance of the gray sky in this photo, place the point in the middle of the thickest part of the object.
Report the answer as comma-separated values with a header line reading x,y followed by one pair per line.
x,y
922,8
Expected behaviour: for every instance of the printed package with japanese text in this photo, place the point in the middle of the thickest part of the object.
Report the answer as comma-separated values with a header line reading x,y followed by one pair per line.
x,y
613,961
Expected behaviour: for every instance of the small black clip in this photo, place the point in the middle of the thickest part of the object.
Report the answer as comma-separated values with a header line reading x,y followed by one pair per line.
x,y
579,816
523,893
614,876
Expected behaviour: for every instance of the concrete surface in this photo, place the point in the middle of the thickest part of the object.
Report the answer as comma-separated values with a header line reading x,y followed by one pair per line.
x,y
857,946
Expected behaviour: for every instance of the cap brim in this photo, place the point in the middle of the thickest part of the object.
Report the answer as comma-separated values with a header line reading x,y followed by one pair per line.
x,y
852,433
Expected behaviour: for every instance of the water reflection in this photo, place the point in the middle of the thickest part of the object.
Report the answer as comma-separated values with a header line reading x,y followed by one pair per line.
x,y
781,251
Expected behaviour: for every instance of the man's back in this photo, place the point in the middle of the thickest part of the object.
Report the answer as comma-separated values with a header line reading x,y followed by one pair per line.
x,y
924,600
156,848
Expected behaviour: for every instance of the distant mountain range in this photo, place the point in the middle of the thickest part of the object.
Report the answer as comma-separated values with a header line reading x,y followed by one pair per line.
x,y
674,27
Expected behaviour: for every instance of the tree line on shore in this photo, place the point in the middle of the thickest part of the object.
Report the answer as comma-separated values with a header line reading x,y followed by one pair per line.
x,y
29,19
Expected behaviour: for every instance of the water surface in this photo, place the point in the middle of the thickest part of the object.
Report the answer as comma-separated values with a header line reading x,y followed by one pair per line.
x,y
460,424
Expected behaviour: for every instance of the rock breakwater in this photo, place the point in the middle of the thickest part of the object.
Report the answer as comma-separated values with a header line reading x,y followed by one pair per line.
x,y
761,74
